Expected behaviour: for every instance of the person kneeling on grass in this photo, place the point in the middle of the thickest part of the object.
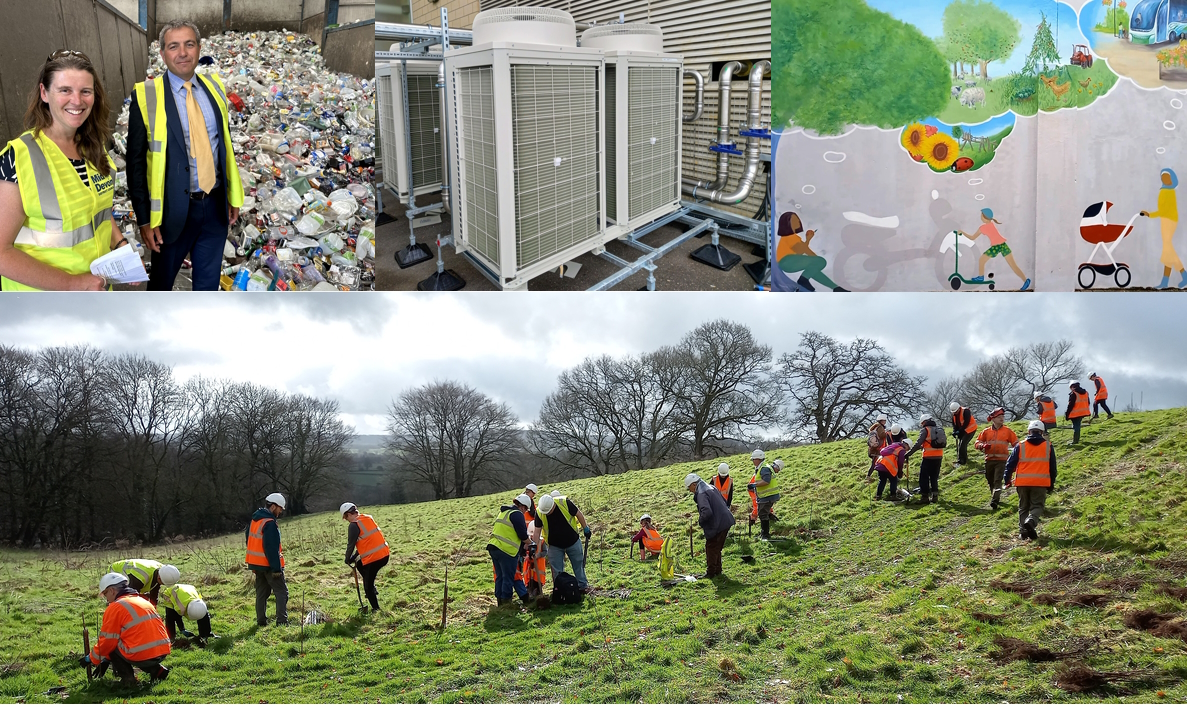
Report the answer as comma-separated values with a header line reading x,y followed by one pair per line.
x,y
182,601
648,538
132,635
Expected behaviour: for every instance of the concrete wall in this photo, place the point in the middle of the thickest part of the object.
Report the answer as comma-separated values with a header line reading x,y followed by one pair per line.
x,y
1040,148
115,44
314,21
350,49
351,11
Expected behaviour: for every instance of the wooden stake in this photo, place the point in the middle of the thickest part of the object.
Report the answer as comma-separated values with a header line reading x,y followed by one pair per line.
x,y
445,599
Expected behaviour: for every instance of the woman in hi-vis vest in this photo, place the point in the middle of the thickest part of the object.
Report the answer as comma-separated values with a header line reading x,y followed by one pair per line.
x,y
57,183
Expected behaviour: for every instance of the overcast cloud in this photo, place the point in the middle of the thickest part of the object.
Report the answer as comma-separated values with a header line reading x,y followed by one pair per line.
x,y
364,349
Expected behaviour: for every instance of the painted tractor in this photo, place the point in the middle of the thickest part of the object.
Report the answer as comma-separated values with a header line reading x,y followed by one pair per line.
x,y
1081,56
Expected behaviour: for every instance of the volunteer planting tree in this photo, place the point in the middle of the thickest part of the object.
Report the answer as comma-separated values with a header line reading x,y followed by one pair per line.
x,y
450,437
835,391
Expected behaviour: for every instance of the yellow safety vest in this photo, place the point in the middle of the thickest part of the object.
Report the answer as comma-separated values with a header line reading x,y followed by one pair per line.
x,y
150,96
502,533
143,568
768,489
67,223
178,597
562,503
667,560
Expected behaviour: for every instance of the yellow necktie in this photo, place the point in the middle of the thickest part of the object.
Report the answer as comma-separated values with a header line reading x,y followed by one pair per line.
x,y
199,140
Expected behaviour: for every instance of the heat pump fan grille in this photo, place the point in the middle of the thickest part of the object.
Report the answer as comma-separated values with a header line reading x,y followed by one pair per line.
x,y
651,149
611,152
477,103
555,143
424,119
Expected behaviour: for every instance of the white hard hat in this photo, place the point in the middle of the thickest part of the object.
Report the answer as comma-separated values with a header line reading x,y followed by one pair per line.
x,y
196,609
110,580
690,478
347,507
524,501
1038,394
758,455
1036,425
531,487
546,504
723,470
554,494
275,498
926,417
882,417
954,407
778,464
169,574
895,429
1072,384
645,517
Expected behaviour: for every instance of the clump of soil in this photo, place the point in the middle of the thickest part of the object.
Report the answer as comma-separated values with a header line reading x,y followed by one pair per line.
x,y
1128,583
1160,624
1179,593
1078,678
1072,600
987,617
1024,588
1011,649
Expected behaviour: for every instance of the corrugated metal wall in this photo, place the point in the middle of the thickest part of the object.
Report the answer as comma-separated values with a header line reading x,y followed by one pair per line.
x,y
704,31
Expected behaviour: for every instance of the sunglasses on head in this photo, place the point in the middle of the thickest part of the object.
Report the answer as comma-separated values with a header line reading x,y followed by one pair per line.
x,y
68,52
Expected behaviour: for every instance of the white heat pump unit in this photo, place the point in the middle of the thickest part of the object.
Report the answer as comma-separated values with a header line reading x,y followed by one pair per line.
x,y
642,107
425,127
524,109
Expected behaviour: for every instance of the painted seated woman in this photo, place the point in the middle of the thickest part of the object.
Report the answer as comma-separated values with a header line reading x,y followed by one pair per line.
x,y
794,254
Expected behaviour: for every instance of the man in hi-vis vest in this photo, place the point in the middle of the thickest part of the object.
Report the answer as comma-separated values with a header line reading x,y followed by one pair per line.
x,y
1034,462
182,177
265,557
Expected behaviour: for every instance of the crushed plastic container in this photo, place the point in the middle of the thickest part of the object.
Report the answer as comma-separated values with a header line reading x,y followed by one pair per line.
x,y
304,141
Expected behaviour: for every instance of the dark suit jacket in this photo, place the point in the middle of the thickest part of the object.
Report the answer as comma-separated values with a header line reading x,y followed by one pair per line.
x,y
176,201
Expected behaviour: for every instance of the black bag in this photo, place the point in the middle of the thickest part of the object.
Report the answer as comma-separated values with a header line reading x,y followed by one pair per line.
x,y
938,439
566,591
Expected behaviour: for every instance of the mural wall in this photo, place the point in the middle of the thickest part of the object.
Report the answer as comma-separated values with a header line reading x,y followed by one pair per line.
x,y
977,145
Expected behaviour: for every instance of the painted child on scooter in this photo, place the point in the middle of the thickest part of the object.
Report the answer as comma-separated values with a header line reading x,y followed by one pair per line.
x,y
997,246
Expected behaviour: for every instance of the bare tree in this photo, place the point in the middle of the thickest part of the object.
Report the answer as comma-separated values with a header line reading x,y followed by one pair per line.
x,y
1043,366
450,436
315,442
993,383
720,377
836,390
945,392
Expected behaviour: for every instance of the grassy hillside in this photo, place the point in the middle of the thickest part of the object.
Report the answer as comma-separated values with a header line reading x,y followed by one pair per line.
x,y
864,601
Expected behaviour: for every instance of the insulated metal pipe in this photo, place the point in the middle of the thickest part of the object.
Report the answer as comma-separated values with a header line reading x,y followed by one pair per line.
x,y
700,99
753,144
444,140
691,186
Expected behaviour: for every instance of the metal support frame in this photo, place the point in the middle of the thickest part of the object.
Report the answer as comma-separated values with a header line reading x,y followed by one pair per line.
x,y
651,254
403,32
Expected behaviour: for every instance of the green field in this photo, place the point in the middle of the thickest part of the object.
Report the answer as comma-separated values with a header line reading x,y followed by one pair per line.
x,y
997,95
864,601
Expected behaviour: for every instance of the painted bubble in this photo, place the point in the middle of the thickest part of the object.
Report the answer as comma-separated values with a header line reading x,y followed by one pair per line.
x,y
871,220
798,206
934,194
979,197
809,189
1161,150
976,182
834,157
1169,125
1176,103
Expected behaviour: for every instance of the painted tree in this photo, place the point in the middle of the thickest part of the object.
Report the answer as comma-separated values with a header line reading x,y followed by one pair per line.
x,y
957,132
982,30
1043,51
841,62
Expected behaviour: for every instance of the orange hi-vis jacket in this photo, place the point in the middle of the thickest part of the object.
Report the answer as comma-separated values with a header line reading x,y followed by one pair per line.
x,y
890,463
928,451
652,541
1102,392
370,544
1046,410
1034,465
132,625
1082,407
255,545
753,498
998,442
972,426
723,486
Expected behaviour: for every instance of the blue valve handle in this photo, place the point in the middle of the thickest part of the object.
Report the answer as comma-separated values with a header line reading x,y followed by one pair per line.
x,y
761,134
727,148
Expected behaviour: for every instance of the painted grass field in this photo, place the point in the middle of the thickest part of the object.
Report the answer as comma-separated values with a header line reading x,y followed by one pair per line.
x,y
1083,87
863,601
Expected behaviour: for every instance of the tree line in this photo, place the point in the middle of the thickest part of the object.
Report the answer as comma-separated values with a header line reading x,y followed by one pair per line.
x,y
715,392
96,447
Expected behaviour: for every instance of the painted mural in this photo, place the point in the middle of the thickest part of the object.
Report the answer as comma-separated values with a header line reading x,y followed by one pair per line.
x,y
977,145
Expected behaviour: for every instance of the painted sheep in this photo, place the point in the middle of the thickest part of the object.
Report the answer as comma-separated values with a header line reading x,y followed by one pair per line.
x,y
956,91
972,96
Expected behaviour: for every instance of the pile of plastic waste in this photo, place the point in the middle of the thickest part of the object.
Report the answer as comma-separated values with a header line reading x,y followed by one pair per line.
x,y
304,140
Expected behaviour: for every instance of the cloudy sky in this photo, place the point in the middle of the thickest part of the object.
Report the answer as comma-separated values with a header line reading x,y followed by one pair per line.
x,y
363,349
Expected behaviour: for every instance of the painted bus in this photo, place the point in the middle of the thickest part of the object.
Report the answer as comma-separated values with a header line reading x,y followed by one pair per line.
x,y
1158,21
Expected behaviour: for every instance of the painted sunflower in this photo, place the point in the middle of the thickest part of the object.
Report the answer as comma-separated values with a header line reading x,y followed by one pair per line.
x,y
940,151
913,138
